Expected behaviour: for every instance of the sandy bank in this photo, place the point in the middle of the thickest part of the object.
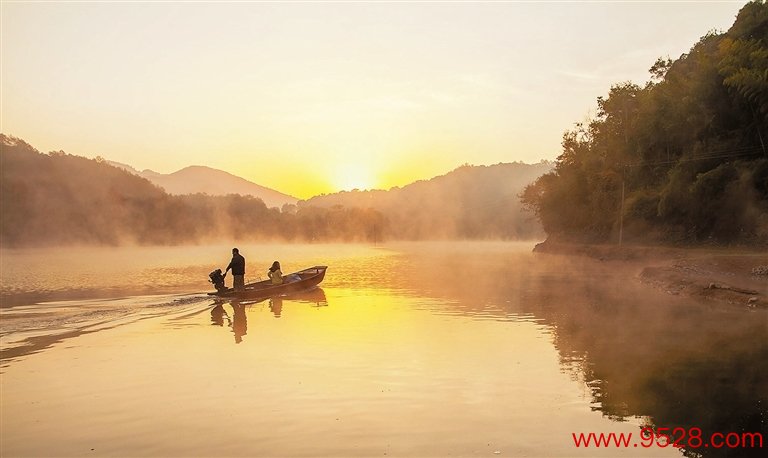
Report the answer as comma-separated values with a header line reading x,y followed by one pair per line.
x,y
733,276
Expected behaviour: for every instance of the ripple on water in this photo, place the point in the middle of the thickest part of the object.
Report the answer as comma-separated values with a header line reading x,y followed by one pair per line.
x,y
31,328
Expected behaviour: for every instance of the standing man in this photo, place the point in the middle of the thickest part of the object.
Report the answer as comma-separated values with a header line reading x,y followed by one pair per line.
x,y
238,269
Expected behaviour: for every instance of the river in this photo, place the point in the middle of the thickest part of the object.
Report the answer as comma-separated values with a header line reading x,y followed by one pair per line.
x,y
406,349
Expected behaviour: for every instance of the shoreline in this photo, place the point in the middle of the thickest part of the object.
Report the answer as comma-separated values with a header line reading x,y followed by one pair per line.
x,y
737,277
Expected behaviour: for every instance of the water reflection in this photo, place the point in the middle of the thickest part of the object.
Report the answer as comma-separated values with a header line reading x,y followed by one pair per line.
x,y
674,362
639,353
239,322
217,316
427,351
276,306
680,364
315,297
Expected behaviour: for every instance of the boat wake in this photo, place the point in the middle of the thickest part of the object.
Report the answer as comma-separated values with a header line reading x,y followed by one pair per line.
x,y
31,328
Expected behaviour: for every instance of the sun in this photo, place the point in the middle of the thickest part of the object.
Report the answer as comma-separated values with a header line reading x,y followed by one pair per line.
x,y
353,176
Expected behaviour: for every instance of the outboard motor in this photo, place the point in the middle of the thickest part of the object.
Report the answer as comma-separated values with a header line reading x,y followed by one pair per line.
x,y
217,278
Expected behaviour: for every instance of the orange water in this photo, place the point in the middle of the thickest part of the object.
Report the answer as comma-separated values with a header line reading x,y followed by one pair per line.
x,y
472,349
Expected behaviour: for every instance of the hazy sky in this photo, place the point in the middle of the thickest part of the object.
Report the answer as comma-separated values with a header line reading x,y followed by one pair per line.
x,y
316,97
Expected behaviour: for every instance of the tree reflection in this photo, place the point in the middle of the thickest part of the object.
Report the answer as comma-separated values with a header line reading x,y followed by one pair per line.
x,y
674,361
679,365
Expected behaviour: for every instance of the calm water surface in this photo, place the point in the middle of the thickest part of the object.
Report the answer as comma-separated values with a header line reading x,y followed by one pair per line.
x,y
471,349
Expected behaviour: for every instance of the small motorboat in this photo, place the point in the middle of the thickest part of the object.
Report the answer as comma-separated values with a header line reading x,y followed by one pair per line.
x,y
295,282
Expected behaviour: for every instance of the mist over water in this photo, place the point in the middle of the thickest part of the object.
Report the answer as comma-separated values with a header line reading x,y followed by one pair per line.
x,y
412,349
32,275
57,199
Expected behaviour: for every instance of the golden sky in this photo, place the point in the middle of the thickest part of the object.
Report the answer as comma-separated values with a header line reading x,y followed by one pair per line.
x,y
310,98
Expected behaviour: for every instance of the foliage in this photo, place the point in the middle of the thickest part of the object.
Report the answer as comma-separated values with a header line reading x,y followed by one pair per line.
x,y
688,151
57,198
471,202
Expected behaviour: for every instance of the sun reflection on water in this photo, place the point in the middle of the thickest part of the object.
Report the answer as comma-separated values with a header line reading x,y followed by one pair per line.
x,y
407,350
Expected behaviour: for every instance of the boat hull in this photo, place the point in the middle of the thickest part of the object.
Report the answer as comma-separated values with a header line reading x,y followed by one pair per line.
x,y
308,279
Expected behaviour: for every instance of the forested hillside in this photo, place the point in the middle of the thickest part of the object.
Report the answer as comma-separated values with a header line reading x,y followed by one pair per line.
x,y
58,199
688,151
473,202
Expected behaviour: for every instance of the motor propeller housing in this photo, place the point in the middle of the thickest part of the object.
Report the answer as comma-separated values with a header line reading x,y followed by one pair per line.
x,y
217,278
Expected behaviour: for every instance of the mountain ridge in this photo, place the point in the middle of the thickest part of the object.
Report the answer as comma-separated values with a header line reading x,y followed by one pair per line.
x,y
195,179
471,201
62,199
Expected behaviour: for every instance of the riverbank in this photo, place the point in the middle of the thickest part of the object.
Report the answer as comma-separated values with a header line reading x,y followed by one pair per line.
x,y
732,276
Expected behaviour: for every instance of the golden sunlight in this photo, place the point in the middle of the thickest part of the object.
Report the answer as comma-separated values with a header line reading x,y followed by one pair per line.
x,y
349,176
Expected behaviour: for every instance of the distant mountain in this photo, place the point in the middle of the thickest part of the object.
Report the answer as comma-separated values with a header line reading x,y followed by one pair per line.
x,y
199,179
469,202
62,199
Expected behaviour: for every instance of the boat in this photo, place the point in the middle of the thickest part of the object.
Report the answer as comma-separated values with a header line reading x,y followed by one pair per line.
x,y
298,281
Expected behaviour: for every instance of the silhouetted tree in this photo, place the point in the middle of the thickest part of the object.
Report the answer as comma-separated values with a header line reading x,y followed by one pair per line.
x,y
688,149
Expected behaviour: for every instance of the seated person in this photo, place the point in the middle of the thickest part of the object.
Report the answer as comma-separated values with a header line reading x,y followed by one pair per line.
x,y
275,274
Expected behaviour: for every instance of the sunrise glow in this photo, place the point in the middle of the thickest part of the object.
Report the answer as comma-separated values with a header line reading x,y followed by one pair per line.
x,y
309,98
351,176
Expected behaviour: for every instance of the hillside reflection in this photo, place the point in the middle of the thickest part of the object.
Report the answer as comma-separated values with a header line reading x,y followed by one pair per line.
x,y
641,353
638,352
